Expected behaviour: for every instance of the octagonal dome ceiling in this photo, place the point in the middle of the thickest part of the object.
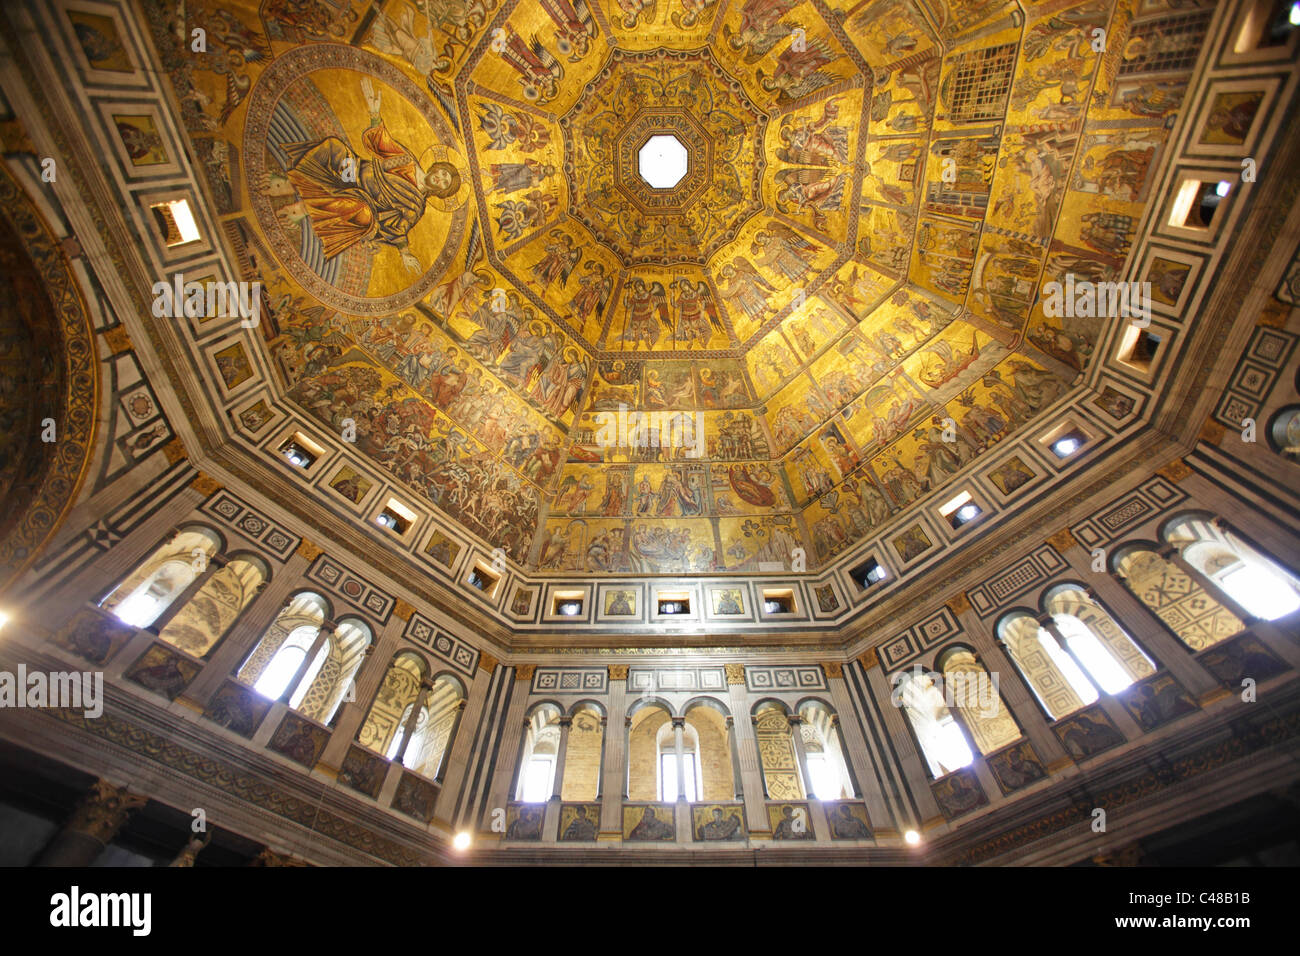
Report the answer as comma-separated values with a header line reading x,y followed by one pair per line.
x,y
443,200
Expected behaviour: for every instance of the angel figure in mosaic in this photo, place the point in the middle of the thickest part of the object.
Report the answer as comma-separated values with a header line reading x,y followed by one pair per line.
x,y
783,251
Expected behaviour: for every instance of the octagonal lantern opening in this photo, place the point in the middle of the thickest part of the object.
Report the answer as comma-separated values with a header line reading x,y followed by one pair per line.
x,y
662,161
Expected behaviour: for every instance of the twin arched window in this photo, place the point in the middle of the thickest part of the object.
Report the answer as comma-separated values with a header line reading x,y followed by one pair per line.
x,y
147,597
1074,651
540,756
310,659
963,685
394,726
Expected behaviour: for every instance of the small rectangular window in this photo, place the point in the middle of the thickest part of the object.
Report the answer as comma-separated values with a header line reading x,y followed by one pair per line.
x,y
299,451
1197,203
395,517
778,601
176,222
482,579
868,573
960,510
567,603
1138,348
673,603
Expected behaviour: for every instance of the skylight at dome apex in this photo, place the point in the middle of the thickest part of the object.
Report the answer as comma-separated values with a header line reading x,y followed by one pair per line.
x,y
847,266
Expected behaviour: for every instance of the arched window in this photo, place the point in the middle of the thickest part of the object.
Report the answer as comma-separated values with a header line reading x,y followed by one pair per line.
x,y
273,662
384,723
666,742
708,722
540,753
432,736
1111,657
942,742
972,691
1052,674
582,754
779,762
326,685
1177,598
645,756
162,577
208,616
1254,581
824,752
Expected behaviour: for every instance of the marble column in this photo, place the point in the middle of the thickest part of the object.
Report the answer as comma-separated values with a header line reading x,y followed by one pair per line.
x,y
746,751
737,785
614,765
801,754
102,812
551,824
910,761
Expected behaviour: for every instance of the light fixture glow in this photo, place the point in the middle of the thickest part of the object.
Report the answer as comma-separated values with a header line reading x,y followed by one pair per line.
x,y
4,619
1223,188
1294,18
461,841
1066,447
912,837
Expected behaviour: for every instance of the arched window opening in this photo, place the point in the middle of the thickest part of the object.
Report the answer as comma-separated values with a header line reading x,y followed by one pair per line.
x,y
978,700
384,724
431,738
1051,673
644,759
270,666
942,742
1253,580
1177,598
541,751
827,768
667,762
326,685
275,677
162,577
1112,658
212,611
582,754
713,752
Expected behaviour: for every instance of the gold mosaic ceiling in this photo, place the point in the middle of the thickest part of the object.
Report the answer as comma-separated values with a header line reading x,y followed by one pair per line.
x,y
444,203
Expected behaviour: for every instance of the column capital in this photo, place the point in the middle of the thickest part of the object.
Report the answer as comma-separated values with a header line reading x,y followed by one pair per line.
x,y
795,720
735,673
1063,540
103,810
565,721
958,604
678,723
832,669
869,659
730,722
617,671
308,550
525,671
486,662
403,610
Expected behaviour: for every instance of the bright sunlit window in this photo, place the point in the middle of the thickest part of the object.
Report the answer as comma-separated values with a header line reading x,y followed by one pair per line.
x,y
1261,592
275,678
537,779
668,775
950,744
1073,675
1100,663
825,785
140,609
